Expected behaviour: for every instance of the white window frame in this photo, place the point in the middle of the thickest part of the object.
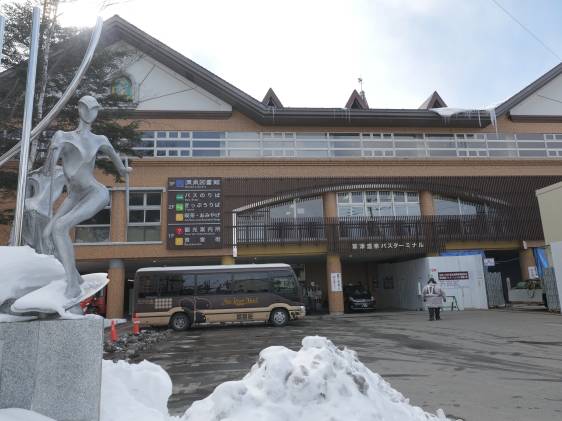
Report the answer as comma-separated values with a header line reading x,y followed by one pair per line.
x,y
144,207
364,204
108,226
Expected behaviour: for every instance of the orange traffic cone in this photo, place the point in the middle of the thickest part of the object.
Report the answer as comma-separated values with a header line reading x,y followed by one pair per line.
x,y
113,332
136,325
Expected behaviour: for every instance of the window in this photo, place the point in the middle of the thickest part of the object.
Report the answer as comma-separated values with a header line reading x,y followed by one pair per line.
x,y
250,282
455,206
176,284
324,145
307,207
144,216
284,283
96,229
122,87
148,286
378,203
214,283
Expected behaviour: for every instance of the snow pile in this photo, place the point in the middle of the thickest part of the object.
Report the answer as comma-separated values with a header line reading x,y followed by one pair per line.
x,y
51,298
134,392
319,382
24,270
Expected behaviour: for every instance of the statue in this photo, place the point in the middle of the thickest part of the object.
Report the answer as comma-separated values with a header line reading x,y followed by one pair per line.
x,y
86,196
49,234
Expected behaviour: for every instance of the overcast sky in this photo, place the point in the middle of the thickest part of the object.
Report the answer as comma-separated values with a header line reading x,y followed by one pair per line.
x,y
311,52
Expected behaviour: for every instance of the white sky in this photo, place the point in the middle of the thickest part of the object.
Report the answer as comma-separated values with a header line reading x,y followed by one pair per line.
x,y
312,51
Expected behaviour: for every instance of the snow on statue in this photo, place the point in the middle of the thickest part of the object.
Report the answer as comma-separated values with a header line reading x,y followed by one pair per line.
x,y
48,289
319,382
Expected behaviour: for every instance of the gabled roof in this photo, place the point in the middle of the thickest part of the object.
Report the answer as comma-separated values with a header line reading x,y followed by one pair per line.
x,y
356,102
433,101
271,100
117,29
527,91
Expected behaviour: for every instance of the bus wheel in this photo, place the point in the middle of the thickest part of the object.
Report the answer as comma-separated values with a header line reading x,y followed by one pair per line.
x,y
179,322
279,317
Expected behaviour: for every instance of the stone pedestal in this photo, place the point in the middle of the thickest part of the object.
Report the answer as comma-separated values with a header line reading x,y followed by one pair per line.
x,y
52,367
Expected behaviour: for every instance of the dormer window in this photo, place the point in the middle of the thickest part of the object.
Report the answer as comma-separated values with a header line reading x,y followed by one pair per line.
x,y
122,87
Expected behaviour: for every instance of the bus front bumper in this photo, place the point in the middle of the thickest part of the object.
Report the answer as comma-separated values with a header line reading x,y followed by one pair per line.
x,y
297,313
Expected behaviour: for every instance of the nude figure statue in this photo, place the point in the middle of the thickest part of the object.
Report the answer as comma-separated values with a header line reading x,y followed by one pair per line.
x,y
86,196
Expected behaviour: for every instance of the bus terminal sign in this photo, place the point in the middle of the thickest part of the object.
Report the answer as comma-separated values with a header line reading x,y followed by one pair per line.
x,y
194,213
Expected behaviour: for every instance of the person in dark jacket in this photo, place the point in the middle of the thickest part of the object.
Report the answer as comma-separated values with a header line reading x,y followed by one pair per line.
x,y
434,297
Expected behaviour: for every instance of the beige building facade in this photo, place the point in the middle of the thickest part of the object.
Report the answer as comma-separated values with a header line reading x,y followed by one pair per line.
x,y
224,178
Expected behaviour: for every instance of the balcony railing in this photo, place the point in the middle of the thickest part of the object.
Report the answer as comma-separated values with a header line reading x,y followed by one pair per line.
x,y
360,234
187,144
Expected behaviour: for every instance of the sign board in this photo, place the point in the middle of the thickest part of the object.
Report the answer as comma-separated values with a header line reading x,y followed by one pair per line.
x,y
452,276
452,279
194,213
335,277
489,261
533,274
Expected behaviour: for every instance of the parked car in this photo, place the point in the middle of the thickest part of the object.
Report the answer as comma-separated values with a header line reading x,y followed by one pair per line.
x,y
357,298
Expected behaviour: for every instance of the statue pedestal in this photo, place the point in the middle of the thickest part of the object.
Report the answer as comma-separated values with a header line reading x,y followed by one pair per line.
x,y
52,367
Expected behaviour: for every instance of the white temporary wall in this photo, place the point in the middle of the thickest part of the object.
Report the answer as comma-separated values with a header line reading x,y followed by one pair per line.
x,y
556,262
399,285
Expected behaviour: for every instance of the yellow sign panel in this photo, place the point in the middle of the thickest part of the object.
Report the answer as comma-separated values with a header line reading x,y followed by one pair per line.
x,y
179,217
179,241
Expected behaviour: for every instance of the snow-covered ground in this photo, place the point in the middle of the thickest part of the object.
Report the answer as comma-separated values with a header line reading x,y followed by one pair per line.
x,y
318,382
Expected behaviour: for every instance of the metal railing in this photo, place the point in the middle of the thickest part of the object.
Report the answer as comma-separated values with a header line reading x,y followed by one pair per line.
x,y
185,144
363,234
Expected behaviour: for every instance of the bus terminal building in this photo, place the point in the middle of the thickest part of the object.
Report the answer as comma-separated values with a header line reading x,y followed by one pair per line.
x,y
338,193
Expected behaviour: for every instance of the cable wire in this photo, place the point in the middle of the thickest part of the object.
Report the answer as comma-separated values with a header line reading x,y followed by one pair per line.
x,y
550,50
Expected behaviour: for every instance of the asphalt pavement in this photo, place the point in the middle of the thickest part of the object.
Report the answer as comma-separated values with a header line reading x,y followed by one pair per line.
x,y
477,365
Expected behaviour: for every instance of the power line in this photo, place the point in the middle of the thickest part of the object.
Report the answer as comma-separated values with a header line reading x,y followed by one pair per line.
x,y
547,48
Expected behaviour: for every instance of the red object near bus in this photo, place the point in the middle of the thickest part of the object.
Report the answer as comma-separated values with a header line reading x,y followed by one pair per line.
x,y
95,304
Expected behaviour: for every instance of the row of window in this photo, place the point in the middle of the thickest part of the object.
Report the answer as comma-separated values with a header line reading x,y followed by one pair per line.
x,y
144,218
323,145
378,203
177,284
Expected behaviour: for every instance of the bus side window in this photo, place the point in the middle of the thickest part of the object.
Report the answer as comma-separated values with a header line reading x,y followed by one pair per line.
x,y
148,286
283,283
214,283
250,282
188,286
170,285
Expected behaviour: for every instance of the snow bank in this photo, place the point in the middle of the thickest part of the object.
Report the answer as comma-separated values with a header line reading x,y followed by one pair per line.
x,y
319,382
134,392
51,298
24,270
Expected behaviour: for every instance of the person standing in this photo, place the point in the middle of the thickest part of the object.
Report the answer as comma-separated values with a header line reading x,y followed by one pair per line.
x,y
434,297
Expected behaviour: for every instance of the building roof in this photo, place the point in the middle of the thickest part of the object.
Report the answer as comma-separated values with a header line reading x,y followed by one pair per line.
x,y
357,101
271,100
433,101
528,90
118,29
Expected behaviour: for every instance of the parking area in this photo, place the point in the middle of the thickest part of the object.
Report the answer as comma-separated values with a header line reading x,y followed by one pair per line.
x,y
476,365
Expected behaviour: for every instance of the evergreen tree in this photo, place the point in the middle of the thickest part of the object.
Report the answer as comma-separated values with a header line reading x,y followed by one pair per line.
x,y
60,53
